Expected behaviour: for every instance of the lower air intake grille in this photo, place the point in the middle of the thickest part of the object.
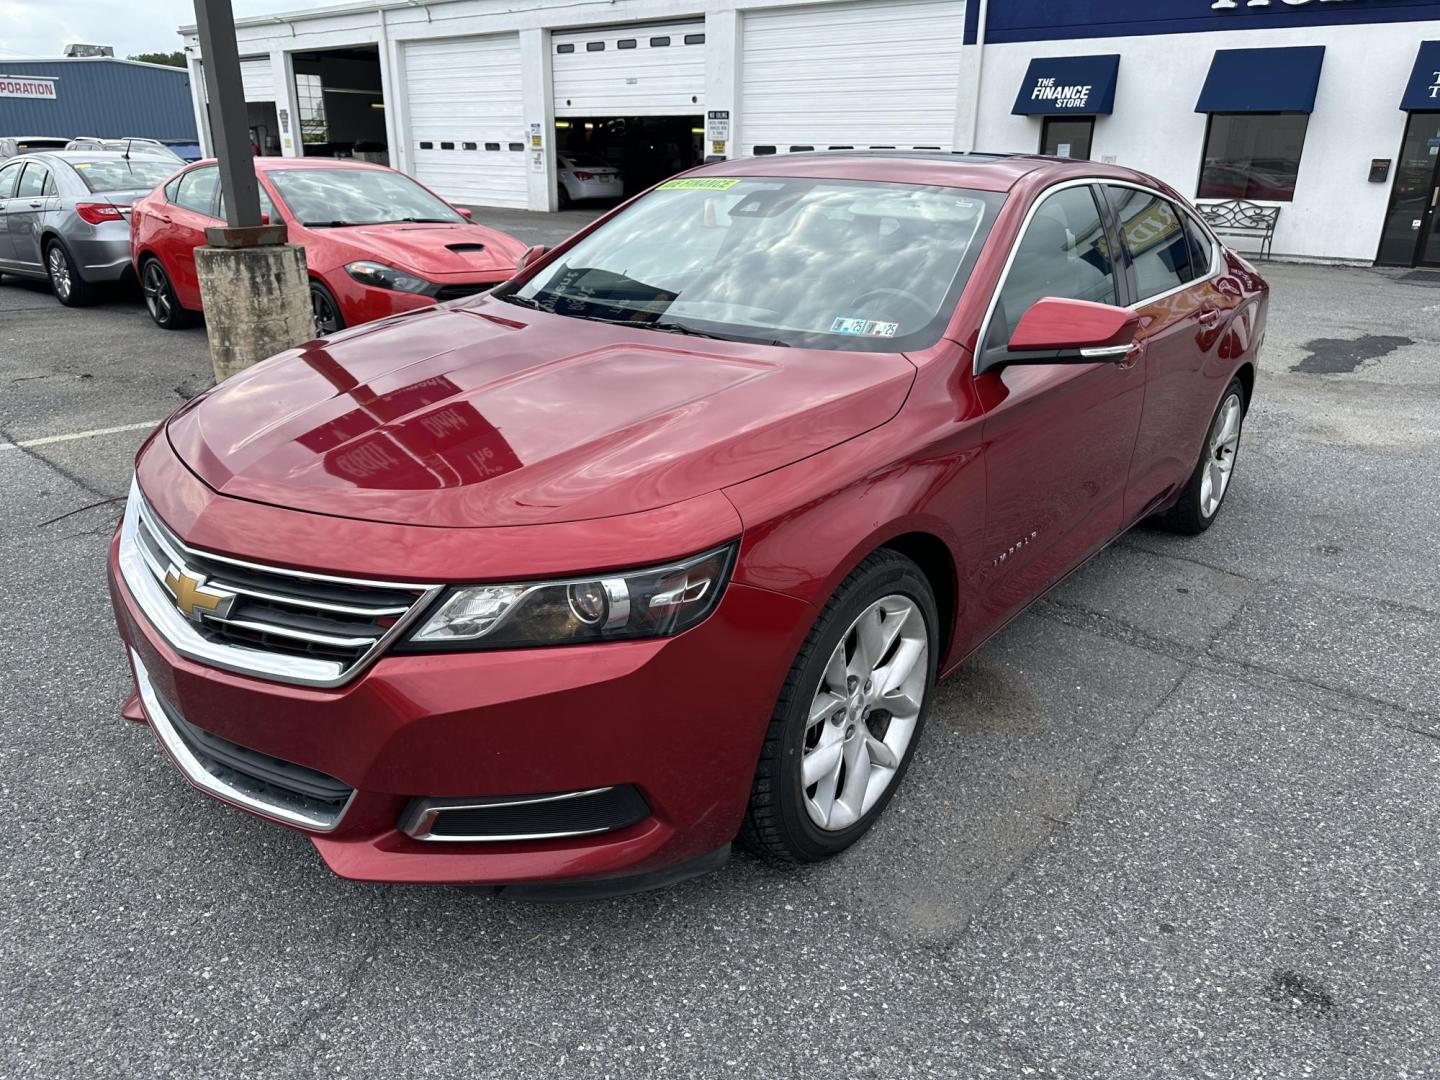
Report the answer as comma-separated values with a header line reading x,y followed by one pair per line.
x,y
525,817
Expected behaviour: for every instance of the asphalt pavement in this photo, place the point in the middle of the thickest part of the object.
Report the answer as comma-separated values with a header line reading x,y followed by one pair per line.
x,y
1179,820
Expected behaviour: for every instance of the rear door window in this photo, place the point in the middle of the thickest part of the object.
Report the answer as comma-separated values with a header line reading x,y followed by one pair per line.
x,y
1153,232
1062,254
32,181
1201,249
197,190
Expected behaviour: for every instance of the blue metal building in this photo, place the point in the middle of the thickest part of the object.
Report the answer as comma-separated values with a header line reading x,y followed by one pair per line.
x,y
95,95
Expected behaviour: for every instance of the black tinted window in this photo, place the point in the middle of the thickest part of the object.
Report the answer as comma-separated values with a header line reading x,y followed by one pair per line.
x,y
1253,155
1062,254
1153,232
197,190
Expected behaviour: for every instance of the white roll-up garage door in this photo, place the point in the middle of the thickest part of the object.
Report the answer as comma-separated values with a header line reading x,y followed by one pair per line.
x,y
882,73
467,118
257,79
650,70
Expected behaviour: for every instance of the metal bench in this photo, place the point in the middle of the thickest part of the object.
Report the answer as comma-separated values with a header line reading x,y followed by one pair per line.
x,y
1236,217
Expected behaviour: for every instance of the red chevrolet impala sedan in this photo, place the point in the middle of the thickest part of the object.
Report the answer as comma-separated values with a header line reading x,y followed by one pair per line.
x,y
376,242
669,538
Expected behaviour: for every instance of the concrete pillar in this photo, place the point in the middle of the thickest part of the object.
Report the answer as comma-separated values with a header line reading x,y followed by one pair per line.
x,y
724,53
257,303
537,91
287,105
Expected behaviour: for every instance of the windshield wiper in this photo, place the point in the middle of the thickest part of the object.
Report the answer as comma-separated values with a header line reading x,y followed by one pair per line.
x,y
426,220
695,331
334,224
523,301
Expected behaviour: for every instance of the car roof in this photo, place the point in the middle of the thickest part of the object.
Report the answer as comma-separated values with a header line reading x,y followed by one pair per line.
x,y
72,156
979,171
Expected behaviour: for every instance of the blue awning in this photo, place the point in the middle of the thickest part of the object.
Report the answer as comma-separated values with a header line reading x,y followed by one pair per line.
x,y
1069,85
1262,80
1423,90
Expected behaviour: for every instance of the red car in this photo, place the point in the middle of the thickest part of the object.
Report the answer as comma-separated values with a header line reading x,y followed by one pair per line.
x,y
670,537
376,242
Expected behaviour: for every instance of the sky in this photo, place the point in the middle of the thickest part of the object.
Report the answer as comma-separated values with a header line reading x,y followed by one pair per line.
x,y
42,28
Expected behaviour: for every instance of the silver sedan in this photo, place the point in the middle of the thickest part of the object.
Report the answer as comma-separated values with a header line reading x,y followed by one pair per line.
x,y
65,216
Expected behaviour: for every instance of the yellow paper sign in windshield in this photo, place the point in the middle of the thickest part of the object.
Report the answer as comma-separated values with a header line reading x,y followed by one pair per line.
x,y
699,183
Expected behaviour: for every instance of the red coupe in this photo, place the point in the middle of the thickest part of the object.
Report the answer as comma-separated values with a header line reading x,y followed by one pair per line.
x,y
376,242
669,538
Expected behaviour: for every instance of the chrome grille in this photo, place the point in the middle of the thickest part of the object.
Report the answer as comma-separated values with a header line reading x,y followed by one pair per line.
x,y
287,625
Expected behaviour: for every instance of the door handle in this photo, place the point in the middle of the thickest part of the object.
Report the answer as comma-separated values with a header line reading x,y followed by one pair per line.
x,y
1209,317
36,205
163,218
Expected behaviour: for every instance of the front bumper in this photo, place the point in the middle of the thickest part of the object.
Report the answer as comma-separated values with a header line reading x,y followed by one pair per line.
x,y
681,719
361,303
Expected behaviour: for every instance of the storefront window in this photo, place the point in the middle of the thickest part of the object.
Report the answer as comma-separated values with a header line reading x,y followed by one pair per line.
x,y
1068,137
1253,155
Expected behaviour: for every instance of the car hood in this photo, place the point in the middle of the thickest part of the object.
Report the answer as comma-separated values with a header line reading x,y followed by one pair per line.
x,y
489,414
431,249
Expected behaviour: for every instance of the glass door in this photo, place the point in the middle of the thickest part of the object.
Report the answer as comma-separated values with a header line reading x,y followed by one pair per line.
x,y
1412,227
1067,136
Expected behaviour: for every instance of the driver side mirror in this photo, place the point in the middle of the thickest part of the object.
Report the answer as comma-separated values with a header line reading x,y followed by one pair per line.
x,y
531,254
1056,331
466,214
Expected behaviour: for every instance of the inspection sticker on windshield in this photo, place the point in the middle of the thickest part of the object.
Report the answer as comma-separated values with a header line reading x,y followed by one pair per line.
x,y
700,183
866,327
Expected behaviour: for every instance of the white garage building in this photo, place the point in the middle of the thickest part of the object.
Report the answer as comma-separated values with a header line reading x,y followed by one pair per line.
x,y
1326,109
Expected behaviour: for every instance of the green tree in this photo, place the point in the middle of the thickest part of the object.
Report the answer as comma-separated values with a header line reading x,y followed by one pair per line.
x,y
173,59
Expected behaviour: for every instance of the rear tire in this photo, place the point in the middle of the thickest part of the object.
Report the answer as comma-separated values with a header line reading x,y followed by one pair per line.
x,y
1204,493
160,297
847,720
69,287
565,200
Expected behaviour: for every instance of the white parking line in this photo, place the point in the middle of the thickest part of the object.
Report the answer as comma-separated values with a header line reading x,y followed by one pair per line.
x,y
77,435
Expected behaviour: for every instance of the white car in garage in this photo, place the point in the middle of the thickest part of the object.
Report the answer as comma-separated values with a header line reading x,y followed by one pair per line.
x,y
585,176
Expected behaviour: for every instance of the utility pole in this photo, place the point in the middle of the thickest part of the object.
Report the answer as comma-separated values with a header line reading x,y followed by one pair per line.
x,y
253,284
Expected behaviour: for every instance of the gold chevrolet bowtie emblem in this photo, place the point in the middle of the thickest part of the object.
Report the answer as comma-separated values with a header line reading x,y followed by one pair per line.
x,y
194,599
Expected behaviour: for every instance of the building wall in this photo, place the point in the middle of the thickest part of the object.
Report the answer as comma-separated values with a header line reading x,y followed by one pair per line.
x,y
1166,46
101,96
1337,213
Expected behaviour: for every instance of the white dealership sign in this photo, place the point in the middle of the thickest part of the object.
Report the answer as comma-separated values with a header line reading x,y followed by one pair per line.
x,y
27,87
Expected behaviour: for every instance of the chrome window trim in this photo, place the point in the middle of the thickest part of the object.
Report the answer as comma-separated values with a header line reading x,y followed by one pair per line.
x,y
1065,185
420,816
208,782
180,634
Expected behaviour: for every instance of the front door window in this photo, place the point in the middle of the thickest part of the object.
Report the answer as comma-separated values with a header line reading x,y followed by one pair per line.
x,y
1412,227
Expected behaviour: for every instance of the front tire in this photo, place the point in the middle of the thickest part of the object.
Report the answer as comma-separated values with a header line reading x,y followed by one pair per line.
x,y
160,297
69,287
1199,503
849,715
326,310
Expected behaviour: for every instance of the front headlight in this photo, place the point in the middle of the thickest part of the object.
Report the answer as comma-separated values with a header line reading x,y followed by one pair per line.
x,y
653,602
379,276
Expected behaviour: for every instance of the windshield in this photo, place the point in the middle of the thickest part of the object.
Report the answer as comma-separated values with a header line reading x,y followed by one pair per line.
x,y
336,197
828,264
117,174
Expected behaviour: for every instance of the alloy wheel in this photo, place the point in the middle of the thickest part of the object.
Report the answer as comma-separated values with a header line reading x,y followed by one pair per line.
x,y
59,268
1220,459
156,288
326,320
864,712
